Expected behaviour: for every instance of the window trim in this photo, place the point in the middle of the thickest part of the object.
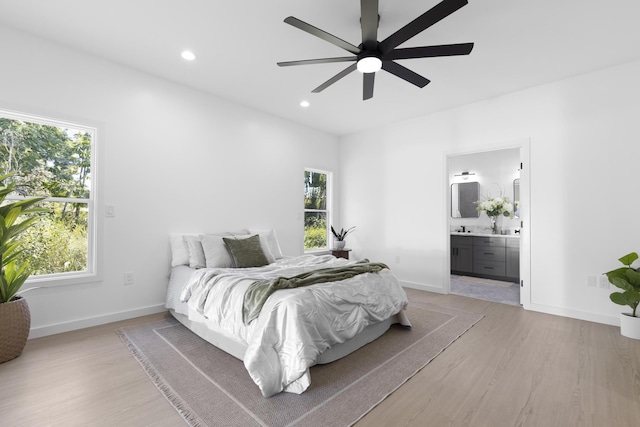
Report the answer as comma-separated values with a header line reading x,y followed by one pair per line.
x,y
93,273
328,210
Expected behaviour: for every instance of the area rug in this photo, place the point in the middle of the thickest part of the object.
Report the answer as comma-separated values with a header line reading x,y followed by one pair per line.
x,y
208,387
480,280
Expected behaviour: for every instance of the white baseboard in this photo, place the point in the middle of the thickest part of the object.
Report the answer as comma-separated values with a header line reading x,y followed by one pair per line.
x,y
88,322
575,314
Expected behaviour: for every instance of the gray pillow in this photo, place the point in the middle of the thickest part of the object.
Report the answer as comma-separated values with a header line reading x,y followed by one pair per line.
x,y
246,252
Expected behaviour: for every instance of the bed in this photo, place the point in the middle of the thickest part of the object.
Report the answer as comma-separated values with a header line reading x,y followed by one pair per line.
x,y
279,315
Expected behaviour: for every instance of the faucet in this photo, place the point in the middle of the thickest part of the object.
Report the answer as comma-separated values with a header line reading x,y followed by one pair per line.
x,y
463,228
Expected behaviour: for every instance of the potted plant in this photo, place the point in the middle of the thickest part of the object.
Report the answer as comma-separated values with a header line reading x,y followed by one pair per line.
x,y
338,238
627,278
15,319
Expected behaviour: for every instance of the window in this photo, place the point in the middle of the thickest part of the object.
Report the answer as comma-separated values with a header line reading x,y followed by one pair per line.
x,y
53,159
317,202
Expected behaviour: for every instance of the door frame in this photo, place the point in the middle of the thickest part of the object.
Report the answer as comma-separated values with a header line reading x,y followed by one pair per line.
x,y
525,214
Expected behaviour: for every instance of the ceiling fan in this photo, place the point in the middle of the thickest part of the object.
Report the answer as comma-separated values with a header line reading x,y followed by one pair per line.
x,y
372,55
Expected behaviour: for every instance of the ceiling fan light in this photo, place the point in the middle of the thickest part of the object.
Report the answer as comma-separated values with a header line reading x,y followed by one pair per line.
x,y
187,55
369,64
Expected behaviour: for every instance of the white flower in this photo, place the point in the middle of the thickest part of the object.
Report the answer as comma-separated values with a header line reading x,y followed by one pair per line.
x,y
496,206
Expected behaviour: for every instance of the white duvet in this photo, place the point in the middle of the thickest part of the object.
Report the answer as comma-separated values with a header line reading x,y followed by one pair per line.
x,y
295,325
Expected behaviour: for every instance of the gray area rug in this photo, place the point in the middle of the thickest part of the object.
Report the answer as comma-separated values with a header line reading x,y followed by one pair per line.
x,y
485,289
208,387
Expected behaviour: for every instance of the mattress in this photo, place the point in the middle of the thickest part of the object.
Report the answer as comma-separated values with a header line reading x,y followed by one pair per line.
x,y
298,326
235,347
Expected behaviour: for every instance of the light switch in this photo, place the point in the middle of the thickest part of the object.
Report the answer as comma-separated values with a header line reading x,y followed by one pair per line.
x,y
110,211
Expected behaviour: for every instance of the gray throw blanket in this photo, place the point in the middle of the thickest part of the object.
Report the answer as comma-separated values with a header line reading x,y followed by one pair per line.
x,y
259,291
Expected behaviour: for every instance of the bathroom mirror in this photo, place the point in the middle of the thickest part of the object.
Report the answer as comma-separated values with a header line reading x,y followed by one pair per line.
x,y
463,198
516,197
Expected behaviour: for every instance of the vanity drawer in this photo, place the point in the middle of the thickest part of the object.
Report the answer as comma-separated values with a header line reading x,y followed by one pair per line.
x,y
492,241
491,268
489,253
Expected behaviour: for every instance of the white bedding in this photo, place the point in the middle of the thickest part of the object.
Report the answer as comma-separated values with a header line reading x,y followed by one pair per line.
x,y
295,325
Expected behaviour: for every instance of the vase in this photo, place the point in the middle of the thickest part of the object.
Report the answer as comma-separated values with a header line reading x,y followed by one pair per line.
x,y
630,326
339,244
494,224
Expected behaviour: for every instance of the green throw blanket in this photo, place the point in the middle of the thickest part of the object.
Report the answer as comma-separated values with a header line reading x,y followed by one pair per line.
x,y
259,291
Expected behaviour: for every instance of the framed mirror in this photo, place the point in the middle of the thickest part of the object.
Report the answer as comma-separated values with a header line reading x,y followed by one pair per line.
x,y
516,197
463,198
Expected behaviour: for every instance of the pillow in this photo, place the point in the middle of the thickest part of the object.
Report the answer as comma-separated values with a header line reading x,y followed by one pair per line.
x,y
216,254
246,252
269,236
196,253
179,249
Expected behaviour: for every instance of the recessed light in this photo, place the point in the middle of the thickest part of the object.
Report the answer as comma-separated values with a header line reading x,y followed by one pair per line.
x,y
304,104
188,55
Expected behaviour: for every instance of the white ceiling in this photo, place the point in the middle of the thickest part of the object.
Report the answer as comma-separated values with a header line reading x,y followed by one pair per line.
x,y
518,44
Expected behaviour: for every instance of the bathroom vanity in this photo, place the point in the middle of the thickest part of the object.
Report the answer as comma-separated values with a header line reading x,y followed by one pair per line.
x,y
486,255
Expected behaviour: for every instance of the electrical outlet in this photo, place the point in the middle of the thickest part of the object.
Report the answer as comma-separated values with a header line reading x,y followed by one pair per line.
x,y
604,281
591,281
129,278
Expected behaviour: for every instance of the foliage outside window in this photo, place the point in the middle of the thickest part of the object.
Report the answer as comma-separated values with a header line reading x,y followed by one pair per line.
x,y
52,159
316,209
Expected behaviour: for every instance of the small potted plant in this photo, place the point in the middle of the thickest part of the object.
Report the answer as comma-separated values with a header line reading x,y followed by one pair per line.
x,y
627,278
338,238
15,318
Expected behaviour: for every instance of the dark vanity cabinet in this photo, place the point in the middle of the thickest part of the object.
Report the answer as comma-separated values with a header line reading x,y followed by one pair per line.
x,y
493,257
513,258
461,255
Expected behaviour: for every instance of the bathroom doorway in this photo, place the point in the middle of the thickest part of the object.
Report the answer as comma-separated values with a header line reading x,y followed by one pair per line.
x,y
489,260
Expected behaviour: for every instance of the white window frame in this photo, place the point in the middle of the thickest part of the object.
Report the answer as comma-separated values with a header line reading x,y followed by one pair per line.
x,y
92,272
328,211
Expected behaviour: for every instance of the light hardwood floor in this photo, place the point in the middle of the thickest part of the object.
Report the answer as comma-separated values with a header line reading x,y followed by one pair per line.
x,y
513,368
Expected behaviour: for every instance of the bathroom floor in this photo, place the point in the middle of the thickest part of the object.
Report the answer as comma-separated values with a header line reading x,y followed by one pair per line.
x,y
485,289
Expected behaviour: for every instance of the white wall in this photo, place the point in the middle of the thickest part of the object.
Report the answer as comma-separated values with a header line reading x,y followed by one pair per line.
x,y
171,159
584,154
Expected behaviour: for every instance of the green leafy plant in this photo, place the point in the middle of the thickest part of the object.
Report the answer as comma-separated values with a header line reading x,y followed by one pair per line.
x,y
626,278
342,234
12,224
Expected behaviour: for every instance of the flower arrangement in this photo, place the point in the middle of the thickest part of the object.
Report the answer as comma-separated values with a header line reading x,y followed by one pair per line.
x,y
496,206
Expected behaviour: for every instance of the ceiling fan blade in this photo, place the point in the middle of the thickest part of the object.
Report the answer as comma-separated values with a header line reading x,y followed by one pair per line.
x,y
318,61
405,73
430,51
369,23
335,78
322,34
367,85
421,23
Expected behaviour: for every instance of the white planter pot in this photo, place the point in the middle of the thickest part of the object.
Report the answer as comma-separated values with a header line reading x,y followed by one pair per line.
x,y
339,244
630,326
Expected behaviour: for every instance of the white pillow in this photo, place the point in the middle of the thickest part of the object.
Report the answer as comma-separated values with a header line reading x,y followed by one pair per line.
x,y
196,253
216,254
179,248
269,236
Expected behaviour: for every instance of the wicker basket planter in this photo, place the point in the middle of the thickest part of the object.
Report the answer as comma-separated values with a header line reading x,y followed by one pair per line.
x,y
15,319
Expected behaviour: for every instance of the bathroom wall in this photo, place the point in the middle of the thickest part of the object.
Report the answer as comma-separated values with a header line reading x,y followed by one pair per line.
x,y
494,171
